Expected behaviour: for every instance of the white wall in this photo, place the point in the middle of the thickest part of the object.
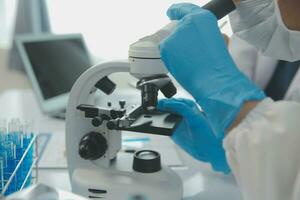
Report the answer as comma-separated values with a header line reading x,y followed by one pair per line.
x,y
7,16
109,26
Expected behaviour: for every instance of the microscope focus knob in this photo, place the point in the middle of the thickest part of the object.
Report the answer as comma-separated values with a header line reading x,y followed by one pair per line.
x,y
92,146
146,161
97,121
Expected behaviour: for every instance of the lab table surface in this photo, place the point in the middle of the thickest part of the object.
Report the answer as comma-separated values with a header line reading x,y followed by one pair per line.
x,y
200,182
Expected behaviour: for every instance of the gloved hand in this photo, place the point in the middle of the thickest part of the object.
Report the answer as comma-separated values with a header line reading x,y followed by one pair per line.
x,y
196,55
194,134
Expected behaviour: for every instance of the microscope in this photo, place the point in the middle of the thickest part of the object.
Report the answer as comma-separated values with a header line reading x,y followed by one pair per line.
x,y
97,168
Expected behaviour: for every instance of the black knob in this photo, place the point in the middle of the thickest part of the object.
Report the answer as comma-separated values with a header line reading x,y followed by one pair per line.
x,y
122,103
97,121
111,125
169,90
220,8
92,146
109,104
147,161
106,85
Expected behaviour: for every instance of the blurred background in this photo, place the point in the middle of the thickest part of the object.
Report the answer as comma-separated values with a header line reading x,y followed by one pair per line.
x,y
108,27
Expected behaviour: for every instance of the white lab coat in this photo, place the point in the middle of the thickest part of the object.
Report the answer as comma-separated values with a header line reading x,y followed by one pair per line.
x,y
264,150
258,67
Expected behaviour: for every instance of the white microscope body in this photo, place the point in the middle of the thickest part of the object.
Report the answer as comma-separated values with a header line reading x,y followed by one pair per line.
x,y
110,174
97,168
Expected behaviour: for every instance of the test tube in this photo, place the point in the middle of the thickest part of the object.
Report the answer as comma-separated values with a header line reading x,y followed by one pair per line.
x,y
27,129
1,173
3,130
28,136
15,131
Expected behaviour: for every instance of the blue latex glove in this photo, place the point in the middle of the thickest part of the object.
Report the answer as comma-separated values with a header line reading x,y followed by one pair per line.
x,y
197,56
194,134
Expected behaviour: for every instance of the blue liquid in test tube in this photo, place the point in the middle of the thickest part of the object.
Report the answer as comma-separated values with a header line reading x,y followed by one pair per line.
x,y
15,137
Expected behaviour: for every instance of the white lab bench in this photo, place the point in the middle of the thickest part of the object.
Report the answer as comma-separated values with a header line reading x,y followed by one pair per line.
x,y
200,182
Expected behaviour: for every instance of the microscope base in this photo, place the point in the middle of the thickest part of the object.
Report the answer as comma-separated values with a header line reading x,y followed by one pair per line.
x,y
116,185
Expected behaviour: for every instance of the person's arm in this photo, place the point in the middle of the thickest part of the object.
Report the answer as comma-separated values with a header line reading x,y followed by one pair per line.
x,y
226,38
290,13
248,106
263,152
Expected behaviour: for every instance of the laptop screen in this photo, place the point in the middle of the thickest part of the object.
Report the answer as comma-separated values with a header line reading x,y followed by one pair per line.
x,y
57,64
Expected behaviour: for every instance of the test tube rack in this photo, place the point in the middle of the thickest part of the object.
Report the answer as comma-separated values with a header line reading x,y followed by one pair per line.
x,y
23,174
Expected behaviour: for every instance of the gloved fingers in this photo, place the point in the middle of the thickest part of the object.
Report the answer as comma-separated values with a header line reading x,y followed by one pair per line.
x,y
190,106
190,102
176,106
171,105
178,11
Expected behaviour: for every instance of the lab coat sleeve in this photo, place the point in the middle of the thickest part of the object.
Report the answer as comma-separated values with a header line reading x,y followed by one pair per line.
x,y
264,152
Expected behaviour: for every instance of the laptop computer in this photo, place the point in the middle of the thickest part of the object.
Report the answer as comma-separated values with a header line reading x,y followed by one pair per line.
x,y
53,63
